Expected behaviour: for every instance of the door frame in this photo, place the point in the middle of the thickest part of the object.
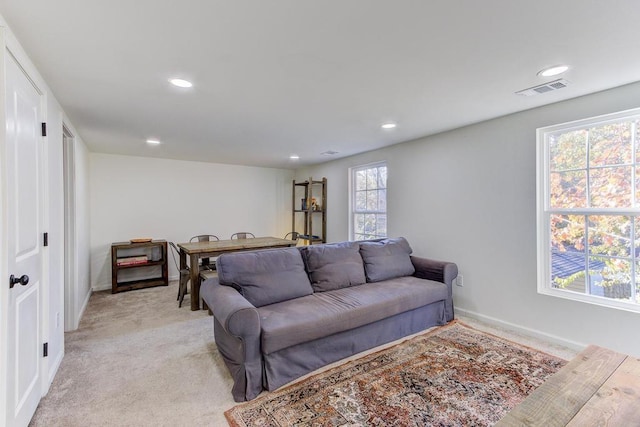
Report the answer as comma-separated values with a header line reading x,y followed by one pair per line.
x,y
4,230
70,261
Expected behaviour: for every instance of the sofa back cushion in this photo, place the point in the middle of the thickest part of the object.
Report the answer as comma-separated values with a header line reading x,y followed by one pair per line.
x,y
333,265
266,276
386,259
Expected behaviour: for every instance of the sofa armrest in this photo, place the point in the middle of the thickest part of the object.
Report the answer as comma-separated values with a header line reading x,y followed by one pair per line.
x,y
439,271
235,314
236,328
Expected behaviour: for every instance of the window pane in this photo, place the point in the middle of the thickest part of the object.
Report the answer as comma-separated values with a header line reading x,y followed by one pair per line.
x,y
610,144
370,224
372,200
361,200
358,223
372,178
568,189
382,177
568,257
382,200
361,180
613,280
610,187
568,232
568,150
382,225
568,270
610,235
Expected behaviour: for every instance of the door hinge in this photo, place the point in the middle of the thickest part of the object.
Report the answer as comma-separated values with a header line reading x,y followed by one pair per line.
x,y
45,349
45,239
44,129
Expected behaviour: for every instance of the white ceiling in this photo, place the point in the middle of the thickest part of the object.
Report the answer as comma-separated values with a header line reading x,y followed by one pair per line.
x,y
278,77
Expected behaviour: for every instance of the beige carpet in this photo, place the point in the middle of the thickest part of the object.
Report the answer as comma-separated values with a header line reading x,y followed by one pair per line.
x,y
139,360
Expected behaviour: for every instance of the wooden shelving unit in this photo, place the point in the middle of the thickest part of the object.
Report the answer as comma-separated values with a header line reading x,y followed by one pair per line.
x,y
129,269
313,217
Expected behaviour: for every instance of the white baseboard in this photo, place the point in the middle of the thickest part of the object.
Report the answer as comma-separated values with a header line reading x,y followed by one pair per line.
x,y
53,369
101,287
521,329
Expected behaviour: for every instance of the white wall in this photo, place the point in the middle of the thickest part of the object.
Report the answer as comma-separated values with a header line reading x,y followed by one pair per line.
x,y
469,196
82,234
175,200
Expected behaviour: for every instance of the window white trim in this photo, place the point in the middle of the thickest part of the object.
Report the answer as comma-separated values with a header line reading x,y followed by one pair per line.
x,y
544,210
352,199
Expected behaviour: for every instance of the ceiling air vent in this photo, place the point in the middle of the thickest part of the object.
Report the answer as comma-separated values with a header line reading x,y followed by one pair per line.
x,y
547,87
329,153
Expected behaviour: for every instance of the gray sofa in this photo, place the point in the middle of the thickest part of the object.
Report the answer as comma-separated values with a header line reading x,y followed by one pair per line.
x,y
281,313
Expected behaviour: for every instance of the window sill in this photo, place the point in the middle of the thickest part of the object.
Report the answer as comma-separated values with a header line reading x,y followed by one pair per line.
x,y
590,299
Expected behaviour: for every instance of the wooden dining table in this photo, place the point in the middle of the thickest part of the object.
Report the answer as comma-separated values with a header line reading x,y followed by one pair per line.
x,y
197,250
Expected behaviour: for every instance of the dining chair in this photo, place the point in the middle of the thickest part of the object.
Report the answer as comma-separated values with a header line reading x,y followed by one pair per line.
x,y
293,235
243,235
184,274
205,262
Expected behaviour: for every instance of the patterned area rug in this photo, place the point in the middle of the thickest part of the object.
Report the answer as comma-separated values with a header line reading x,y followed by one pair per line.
x,y
451,376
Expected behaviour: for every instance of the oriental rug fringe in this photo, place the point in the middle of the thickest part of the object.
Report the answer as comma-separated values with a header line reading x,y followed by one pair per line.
x,y
453,375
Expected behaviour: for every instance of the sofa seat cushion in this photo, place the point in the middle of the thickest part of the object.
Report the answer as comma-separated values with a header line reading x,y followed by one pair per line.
x,y
333,265
266,276
322,314
387,258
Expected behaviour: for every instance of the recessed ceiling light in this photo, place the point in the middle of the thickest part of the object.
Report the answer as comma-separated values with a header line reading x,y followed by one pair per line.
x,y
153,142
388,126
553,71
180,82
294,157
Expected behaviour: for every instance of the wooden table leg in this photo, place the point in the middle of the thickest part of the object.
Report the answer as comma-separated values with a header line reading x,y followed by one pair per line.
x,y
195,283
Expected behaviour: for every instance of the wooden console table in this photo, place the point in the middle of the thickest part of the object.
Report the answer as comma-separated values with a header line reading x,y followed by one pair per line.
x,y
148,258
599,387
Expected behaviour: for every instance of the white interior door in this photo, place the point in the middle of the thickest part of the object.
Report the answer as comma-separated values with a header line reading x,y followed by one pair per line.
x,y
24,214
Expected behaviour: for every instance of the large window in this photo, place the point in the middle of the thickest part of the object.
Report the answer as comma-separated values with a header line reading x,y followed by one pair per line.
x,y
589,210
369,202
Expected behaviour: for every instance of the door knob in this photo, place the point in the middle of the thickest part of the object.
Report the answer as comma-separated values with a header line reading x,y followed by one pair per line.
x,y
15,280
